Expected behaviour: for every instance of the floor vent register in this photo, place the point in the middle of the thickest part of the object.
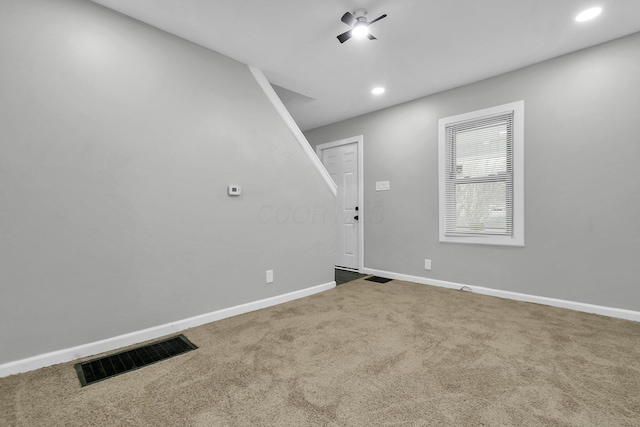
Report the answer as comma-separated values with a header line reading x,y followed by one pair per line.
x,y
378,279
106,367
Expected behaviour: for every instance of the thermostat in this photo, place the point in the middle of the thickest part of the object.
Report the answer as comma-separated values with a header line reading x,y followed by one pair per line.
x,y
234,190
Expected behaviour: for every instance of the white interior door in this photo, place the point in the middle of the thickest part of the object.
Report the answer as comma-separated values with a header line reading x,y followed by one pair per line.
x,y
342,164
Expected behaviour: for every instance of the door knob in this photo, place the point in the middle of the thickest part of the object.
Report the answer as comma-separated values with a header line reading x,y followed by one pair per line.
x,y
355,217
356,208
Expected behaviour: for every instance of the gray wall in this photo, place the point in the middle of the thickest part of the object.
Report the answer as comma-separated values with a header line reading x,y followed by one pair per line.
x,y
582,181
117,143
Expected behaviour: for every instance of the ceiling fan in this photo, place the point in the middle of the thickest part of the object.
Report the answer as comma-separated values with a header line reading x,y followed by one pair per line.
x,y
359,25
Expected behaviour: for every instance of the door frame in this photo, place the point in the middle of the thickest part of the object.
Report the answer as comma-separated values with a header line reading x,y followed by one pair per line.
x,y
359,139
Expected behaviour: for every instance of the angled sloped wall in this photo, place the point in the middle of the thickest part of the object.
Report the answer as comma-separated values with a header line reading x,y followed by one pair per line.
x,y
117,144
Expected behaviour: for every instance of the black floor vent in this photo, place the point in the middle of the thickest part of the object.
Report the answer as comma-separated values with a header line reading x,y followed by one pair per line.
x,y
109,366
378,279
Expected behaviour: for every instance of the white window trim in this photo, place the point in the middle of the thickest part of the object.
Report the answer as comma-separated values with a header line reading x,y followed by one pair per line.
x,y
517,238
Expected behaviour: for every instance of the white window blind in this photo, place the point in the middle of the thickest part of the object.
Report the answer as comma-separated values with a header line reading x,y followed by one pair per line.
x,y
479,181
478,176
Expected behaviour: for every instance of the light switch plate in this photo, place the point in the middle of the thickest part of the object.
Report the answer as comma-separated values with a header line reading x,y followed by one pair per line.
x,y
382,186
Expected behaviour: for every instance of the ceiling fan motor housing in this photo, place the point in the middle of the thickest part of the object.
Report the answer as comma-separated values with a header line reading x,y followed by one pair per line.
x,y
360,13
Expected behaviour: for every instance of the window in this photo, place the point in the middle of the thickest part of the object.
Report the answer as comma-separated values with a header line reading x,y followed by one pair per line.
x,y
481,174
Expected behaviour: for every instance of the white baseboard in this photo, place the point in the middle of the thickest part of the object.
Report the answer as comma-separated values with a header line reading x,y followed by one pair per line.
x,y
572,305
132,338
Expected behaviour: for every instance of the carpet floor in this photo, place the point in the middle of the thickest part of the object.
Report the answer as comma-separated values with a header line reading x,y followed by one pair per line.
x,y
364,354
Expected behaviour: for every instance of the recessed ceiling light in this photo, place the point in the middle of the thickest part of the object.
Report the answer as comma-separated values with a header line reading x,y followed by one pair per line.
x,y
377,90
588,14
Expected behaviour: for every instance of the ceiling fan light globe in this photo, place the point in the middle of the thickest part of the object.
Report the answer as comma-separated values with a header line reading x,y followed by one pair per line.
x,y
360,31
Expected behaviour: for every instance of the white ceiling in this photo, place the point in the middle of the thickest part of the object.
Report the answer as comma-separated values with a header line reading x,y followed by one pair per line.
x,y
423,46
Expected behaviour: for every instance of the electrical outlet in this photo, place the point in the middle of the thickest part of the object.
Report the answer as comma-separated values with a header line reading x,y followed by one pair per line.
x,y
427,264
269,276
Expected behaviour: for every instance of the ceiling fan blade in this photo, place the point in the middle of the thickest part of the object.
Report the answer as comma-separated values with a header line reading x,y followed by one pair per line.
x,y
378,18
348,19
344,36
370,36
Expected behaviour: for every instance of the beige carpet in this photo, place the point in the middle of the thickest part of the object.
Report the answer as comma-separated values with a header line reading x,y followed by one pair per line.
x,y
365,354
